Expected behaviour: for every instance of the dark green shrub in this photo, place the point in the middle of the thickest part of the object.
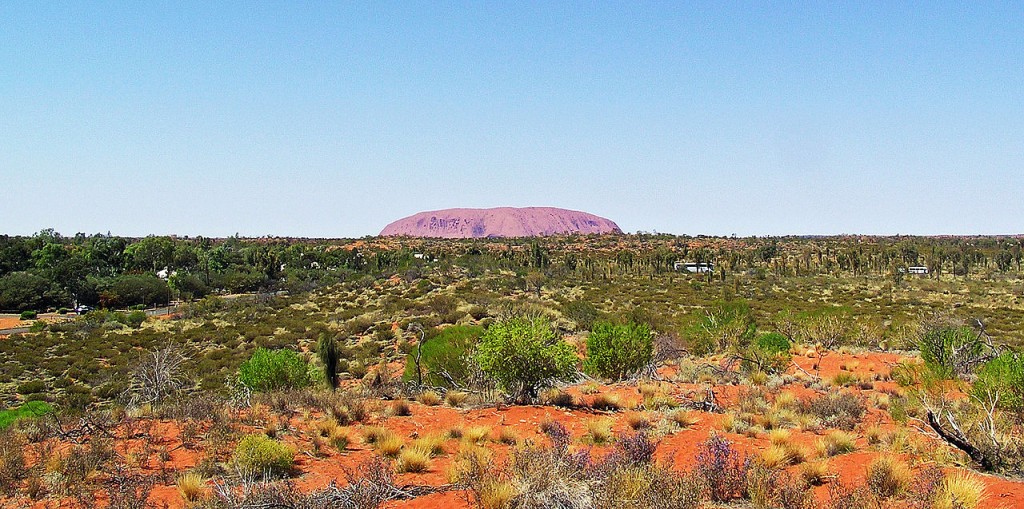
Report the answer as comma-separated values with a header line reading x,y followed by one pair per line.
x,y
327,350
449,351
1004,376
617,351
29,315
32,387
524,355
262,455
135,319
768,353
273,369
581,312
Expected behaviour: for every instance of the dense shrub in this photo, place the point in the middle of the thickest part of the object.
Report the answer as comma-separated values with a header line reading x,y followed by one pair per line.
x,y
263,455
768,353
29,315
723,325
617,351
841,410
950,351
581,312
274,369
524,355
449,351
1004,376
32,387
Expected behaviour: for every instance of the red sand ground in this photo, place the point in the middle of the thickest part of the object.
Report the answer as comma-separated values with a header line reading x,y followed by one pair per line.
x,y
679,449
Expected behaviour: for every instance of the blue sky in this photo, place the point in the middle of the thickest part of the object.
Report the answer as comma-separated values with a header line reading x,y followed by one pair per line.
x,y
324,119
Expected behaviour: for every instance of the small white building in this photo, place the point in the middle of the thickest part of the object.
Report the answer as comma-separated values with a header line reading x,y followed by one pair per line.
x,y
694,267
917,269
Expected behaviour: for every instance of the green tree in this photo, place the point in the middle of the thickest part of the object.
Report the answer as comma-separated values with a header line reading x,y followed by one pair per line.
x,y
524,355
617,351
22,291
135,289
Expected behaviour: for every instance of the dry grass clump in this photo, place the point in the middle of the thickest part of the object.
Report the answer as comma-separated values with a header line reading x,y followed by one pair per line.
x,y
192,487
785,399
496,494
814,473
476,434
557,397
779,436
414,460
507,436
433,443
374,434
836,443
429,398
606,401
638,421
590,388
401,408
959,491
735,424
874,434
599,431
468,462
456,398
660,401
340,439
775,456
390,445
326,427
888,477
683,418
844,378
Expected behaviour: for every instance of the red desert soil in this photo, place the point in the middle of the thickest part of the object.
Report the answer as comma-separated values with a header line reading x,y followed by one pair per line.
x,y
678,449
499,222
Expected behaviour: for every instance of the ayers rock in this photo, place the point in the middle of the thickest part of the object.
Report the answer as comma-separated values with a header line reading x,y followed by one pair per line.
x,y
499,222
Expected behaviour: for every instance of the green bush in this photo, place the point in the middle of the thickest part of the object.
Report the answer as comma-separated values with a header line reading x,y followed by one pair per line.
x,y
32,387
524,355
29,315
263,455
768,353
945,350
723,325
27,410
135,319
1004,376
581,312
448,351
268,370
617,351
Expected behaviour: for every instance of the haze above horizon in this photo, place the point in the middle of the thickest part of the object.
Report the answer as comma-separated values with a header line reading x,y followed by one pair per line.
x,y
323,120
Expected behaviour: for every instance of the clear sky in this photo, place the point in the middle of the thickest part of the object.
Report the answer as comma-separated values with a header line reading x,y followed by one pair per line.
x,y
333,119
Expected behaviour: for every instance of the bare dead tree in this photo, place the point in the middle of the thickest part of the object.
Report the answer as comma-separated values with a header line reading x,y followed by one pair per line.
x,y
158,376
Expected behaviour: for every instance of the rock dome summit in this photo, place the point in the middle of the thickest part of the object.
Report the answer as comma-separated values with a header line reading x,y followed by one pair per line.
x,y
499,222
